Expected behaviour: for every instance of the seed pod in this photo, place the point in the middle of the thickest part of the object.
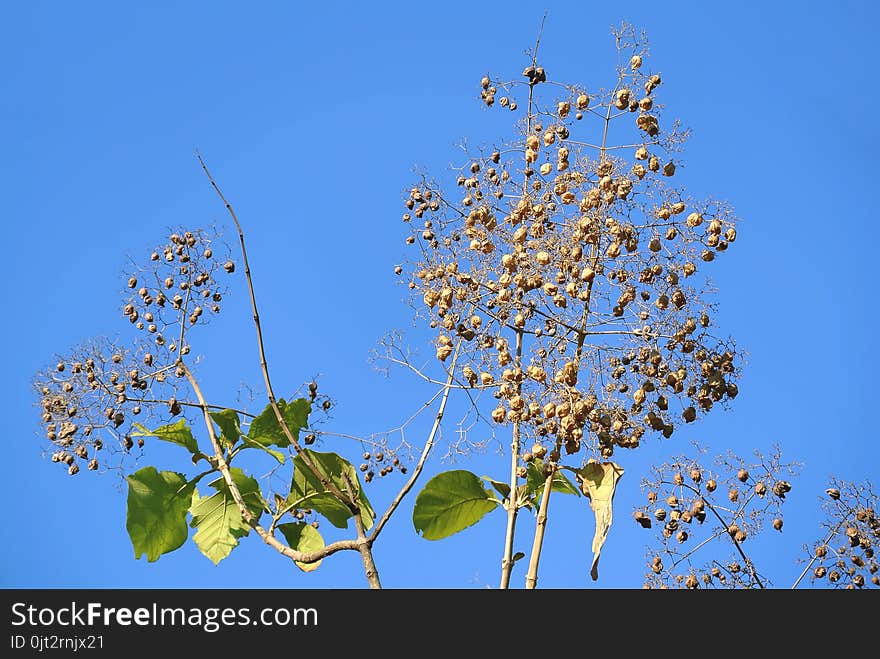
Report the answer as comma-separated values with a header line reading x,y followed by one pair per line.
x,y
780,488
635,62
742,475
229,267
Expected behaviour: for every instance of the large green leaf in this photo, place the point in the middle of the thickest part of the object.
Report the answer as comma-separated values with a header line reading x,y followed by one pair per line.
x,y
307,490
176,433
218,518
266,430
303,537
157,505
599,482
535,481
230,428
450,502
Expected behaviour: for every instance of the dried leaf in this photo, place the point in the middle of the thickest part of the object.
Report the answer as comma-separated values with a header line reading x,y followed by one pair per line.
x,y
598,482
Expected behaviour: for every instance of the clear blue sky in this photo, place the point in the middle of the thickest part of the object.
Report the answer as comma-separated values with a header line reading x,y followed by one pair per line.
x,y
313,116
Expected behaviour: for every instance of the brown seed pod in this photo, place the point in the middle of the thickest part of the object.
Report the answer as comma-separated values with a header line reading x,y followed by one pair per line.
x,y
643,519
742,475
780,488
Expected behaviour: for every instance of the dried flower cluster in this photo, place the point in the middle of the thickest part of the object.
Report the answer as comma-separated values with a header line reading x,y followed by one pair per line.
x,y
570,268
695,507
90,398
846,557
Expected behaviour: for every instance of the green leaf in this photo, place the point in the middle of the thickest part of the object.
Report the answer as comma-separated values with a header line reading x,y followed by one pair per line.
x,y
450,502
518,555
157,505
218,518
535,481
249,443
307,490
502,488
266,430
176,433
305,538
230,428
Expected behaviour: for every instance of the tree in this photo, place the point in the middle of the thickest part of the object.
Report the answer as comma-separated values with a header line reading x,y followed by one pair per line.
x,y
565,280
565,287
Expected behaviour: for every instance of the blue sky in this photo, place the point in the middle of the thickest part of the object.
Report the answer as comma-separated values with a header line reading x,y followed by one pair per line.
x,y
313,118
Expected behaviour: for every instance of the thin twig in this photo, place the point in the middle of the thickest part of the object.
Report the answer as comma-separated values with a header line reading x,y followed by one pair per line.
x,y
814,558
426,449
352,505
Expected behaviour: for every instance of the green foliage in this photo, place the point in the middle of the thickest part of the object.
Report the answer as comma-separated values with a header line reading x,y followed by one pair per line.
x,y
535,479
265,429
230,428
502,488
176,433
450,502
305,538
157,506
307,490
249,443
218,518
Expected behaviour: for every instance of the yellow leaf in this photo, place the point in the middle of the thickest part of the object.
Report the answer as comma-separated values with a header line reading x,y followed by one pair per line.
x,y
598,482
